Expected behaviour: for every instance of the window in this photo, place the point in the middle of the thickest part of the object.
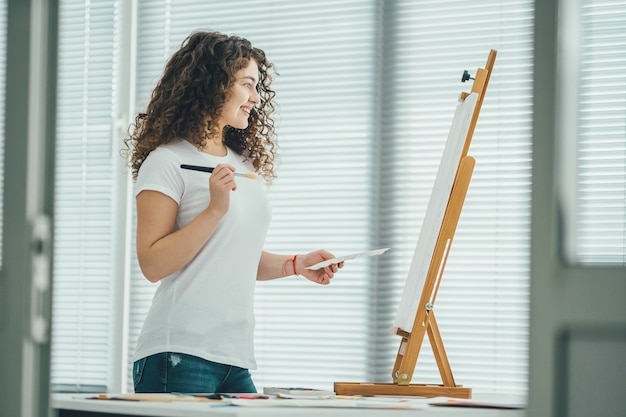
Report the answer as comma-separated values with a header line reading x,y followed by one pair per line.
x,y
85,240
326,55
593,132
367,92
482,303
366,96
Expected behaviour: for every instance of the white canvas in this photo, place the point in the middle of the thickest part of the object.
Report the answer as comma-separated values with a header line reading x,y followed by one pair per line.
x,y
434,213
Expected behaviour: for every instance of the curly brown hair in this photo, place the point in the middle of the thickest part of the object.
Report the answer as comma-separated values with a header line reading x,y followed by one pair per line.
x,y
188,100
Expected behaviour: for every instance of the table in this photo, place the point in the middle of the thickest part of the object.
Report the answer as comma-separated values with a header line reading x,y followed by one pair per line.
x,y
77,405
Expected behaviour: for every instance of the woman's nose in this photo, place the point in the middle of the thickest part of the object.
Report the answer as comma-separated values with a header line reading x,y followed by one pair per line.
x,y
255,97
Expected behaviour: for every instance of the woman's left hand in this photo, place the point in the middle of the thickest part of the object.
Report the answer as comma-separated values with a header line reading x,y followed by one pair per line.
x,y
320,276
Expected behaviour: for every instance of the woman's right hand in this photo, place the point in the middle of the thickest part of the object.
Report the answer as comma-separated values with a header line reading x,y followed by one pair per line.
x,y
221,183
162,249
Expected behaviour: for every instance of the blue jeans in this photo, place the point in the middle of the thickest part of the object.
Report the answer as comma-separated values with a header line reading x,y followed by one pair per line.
x,y
178,372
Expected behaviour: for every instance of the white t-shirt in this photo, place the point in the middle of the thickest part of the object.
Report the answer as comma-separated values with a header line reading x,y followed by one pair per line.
x,y
206,309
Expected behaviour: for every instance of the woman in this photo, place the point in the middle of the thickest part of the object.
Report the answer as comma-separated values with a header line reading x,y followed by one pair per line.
x,y
201,235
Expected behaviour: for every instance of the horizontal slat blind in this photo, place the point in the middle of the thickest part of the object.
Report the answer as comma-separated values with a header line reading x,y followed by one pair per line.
x,y
326,55
152,52
601,159
367,88
482,304
366,93
84,197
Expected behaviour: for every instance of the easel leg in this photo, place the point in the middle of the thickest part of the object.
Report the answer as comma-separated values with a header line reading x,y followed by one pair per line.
x,y
440,353
399,358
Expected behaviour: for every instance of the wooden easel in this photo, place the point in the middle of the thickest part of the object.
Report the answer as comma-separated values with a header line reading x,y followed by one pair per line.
x,y
425,322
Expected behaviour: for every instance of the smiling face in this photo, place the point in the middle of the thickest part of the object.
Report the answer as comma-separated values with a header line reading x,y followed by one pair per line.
x,y
243,96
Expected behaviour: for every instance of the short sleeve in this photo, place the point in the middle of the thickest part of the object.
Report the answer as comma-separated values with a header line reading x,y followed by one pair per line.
x,y
161,172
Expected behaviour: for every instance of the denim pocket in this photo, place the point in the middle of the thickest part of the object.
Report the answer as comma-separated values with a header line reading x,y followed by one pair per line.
x,y
138,371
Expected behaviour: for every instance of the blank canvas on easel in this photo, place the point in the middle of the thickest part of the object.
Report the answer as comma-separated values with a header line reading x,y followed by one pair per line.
x,y
434,213
416,316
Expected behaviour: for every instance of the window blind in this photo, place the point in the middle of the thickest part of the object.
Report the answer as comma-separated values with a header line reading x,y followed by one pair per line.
x,y
601,150
323,198
366,93
84,197
482,303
